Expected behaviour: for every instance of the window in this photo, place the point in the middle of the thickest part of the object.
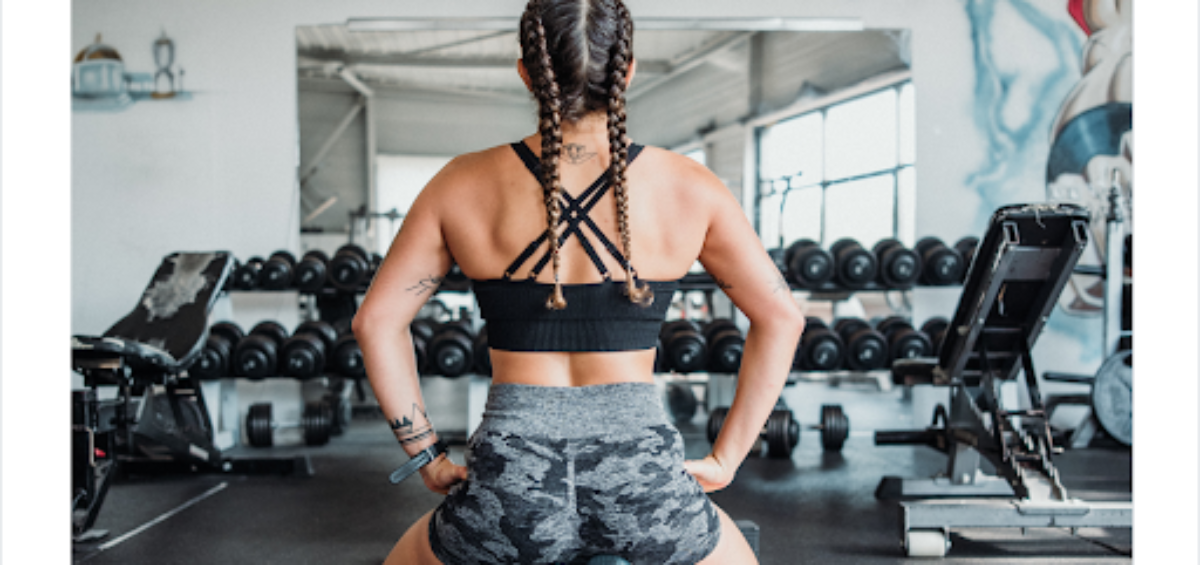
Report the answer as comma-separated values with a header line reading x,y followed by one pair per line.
x,y
400,179
842,170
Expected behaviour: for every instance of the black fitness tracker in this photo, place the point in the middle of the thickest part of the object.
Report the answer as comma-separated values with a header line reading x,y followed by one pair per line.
x,y
421,459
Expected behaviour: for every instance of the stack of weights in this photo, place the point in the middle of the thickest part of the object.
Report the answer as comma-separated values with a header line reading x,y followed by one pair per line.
x,y
819,349
866,348
245,276
215,358
451,351
683,346
935,328
350,268
904,341
307,352
256,356
942,265
899,267
310,272
278,271
966,247
724,343
855,267
347,355
422,333
808,266
483,356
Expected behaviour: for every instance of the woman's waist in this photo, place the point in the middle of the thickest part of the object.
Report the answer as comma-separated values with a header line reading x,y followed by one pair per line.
x,y
611,409
572,369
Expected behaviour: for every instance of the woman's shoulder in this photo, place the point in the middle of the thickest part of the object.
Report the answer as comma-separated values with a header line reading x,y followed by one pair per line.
x,y
682,175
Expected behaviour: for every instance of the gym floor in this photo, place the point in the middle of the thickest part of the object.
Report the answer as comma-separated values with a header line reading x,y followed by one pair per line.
x,y
814,508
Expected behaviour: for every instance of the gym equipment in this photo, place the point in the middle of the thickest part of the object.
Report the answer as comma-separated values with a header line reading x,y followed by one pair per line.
x,y
422,332
310,272
451,351
782,432
347,356
866,348
820,349
455,280
935,328
257,355
1022,265
681,402
316,421
724,342
218,349
349,268
246,275
942,265
305,353
966,247
807,264
904,342
684,346
855,266
835,427
483,356
278,271
899,267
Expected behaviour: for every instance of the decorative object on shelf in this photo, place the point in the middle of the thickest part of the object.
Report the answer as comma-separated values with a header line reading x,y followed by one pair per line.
x,y
164,56
100,83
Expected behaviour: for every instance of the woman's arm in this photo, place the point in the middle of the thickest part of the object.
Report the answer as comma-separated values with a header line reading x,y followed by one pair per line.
x,y
410,274
735,257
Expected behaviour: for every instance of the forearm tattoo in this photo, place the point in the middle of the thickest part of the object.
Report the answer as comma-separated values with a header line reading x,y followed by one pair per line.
x,y
577,153
412,428
427,284
722,284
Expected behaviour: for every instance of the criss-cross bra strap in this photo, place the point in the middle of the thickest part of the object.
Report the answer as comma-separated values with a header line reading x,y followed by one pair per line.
x,y
575,211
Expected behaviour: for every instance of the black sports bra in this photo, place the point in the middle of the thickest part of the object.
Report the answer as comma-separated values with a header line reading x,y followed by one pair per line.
x,y
598,317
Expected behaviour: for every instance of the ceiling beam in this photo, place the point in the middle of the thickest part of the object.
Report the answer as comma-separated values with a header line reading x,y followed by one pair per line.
x,y
688,63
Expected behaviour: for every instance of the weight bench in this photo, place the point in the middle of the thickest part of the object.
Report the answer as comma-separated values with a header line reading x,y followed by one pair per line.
x,y
1015,279
158,420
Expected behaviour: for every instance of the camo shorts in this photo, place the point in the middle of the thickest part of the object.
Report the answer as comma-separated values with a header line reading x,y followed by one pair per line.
x,y
562,474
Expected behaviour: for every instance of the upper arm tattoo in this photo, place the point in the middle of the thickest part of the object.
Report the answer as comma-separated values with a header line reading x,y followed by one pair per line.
x,y
414,427
780,284
427,284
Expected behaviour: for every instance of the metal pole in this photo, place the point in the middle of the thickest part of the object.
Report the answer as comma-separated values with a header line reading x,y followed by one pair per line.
x,y
1114,271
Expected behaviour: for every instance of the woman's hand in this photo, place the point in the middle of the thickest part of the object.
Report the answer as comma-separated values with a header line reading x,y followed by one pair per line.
x,y
442,473
710,472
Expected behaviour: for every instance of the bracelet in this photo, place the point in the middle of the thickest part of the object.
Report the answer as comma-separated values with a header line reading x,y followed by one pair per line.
x,y
421,459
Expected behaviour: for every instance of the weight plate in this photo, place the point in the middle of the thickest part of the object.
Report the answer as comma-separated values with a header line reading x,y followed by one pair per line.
x,y
317,422
1112,396
835,427
258,425
681,402
779,428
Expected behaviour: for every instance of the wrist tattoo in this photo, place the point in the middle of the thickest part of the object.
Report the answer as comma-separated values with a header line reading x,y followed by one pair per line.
x,y
412,428
427,284
577,153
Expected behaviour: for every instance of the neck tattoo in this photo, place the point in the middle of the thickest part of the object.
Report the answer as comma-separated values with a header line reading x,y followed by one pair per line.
x,y
577,153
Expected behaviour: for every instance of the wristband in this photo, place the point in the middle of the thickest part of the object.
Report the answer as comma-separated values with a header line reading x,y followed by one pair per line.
x,y
421,459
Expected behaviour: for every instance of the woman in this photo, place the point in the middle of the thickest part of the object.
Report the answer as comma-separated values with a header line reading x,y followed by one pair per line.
x,y
575,456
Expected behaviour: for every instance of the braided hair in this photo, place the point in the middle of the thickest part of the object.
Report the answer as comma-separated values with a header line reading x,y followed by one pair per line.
x,y
592,43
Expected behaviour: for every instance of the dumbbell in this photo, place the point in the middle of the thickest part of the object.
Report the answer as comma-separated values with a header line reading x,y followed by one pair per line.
x,y
483,355
256,355
854,266
807,264
455,279
246,275
866,348
347,356
451,351
966,248
904,341
306,353
660,358
683,346
349,268
278,271
935,328
942,265
422,331
820,349
899,266
218,350
724,342
310,272
376,263
781,431
316,421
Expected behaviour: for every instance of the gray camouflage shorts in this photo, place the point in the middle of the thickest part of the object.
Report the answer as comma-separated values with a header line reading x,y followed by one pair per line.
x,y
561,474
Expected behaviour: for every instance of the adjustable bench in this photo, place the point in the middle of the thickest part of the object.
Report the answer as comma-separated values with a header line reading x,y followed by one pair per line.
x,y
1015,280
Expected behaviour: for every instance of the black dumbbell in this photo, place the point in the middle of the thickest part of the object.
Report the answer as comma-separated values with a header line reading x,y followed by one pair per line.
x,y
455,279
306,353
781,431
866,348
660,358
310,271
724,342
347,355
246,275
835,427
681,402
807,264
376,263
942,265
277,272
316,421
451,351
483,355
899,266
256,355
966,248
854,266
935,328
820,349
214,359
684,346
349,268
422,332
904,341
